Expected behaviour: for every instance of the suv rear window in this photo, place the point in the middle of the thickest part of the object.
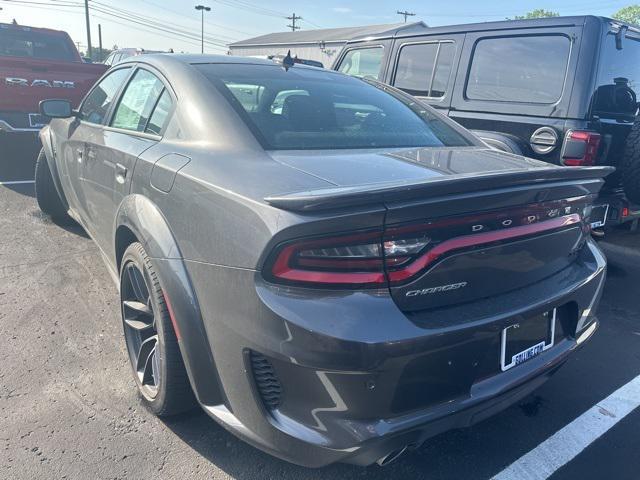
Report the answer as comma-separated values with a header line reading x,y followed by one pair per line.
x,y
526,69
424,68
15,42
618,78
306,108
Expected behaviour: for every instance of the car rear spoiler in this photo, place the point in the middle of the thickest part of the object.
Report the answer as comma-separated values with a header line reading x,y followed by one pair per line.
x,y
339,197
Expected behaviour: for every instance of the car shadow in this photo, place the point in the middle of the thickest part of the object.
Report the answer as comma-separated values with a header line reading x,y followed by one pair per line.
x,y
453,454
68,225
25,189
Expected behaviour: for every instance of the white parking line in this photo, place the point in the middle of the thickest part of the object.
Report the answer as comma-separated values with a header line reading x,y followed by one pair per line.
x,y
559,449
18,182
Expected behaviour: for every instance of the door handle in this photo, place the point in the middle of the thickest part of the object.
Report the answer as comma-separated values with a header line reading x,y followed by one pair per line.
x,y
121,173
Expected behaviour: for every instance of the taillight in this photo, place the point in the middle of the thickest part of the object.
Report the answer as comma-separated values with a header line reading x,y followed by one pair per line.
x,y
355,260
580,148
402,252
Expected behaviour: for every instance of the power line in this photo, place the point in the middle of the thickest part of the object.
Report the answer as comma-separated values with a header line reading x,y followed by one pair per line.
x,y
175,12
293,25
152,22
405,14
128,16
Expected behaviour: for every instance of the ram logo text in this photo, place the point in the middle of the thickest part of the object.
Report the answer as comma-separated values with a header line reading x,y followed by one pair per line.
x,y
23,82
442,288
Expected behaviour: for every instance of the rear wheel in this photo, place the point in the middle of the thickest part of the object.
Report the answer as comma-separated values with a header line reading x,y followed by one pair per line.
x,y
46,194
630,167
151,341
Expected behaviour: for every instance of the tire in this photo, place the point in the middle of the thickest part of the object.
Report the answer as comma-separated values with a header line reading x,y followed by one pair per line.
x,y
630,167
157,364
46,194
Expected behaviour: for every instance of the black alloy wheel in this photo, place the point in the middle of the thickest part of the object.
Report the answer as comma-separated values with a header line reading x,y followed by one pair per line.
x,y
140,330
152,343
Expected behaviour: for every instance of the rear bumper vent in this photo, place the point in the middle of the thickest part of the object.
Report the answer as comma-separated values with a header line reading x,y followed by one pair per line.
x,y
266,380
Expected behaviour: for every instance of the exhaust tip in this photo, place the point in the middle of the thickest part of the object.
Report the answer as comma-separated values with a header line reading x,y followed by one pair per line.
x,y
392,456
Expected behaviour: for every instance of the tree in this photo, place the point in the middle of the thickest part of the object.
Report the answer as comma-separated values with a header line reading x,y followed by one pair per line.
x,y
537,13
630,14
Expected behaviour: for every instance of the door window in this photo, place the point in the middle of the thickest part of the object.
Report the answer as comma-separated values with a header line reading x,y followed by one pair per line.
x,y
362,62
138,101
424,69
96,105
160,114
527,69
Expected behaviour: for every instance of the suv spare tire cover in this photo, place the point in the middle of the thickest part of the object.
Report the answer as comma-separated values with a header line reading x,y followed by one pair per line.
x,y
630,167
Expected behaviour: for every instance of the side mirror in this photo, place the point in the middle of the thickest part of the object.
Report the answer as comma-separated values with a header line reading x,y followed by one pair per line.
x,y
56,108
87,60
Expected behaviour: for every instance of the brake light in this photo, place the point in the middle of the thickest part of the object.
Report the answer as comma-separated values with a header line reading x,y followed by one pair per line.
x,y
580,148
401,253
358,259
625,211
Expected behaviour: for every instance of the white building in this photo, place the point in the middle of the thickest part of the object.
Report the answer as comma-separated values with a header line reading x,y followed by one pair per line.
x,y
322,45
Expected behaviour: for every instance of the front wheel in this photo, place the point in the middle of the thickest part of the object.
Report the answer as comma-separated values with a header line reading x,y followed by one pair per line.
x,y
151,341
46,194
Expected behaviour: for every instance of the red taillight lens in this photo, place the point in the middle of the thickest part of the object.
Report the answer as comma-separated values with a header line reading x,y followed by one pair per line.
x,y
402,252
581,148
352,259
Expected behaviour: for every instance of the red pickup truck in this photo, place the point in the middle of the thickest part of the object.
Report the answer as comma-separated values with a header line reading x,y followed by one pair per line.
x,y
36,64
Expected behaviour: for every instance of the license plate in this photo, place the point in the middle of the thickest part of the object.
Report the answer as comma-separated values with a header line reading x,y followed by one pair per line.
x,y
36,120
527,339
599,215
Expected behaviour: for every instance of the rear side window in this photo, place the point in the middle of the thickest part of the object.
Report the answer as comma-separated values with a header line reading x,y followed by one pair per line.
x,y
15,42
618,78
97,104
528,69
138,101
424,69
160,114
362,62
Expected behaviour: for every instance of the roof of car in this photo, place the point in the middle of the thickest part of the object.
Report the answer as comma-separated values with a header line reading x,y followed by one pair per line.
x,y
320,35
27,28
194,59
421,29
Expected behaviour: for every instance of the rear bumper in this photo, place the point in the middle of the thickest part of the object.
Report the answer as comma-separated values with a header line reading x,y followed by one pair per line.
x,y
358,377
620,210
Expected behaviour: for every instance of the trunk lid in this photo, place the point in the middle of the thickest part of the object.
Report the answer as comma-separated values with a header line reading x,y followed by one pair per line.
x,y
461,224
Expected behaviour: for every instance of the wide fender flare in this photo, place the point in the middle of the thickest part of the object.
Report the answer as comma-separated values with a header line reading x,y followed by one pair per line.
x,y
144,219
47,146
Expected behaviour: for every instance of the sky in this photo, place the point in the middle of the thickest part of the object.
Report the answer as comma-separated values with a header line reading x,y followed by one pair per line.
x,y
164,24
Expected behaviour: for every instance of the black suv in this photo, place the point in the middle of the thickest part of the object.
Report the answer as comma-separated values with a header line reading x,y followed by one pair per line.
x,y
560,89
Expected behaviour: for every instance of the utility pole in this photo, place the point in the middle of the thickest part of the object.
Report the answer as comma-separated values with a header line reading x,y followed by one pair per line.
x,y
293,25
202,9
86,17
406,14
100,41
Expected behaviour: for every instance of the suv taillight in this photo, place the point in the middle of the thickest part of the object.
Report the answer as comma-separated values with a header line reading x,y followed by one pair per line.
x,y
580,148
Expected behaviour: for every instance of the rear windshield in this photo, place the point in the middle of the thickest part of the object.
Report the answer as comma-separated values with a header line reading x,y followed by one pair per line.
x,y
16,42
526,69
618,78
305,108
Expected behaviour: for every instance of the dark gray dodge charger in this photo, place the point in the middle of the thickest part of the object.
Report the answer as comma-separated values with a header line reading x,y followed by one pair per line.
x,y
329,268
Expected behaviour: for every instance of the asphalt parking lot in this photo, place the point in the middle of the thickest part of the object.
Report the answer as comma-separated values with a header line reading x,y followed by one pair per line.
x,y
69,408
